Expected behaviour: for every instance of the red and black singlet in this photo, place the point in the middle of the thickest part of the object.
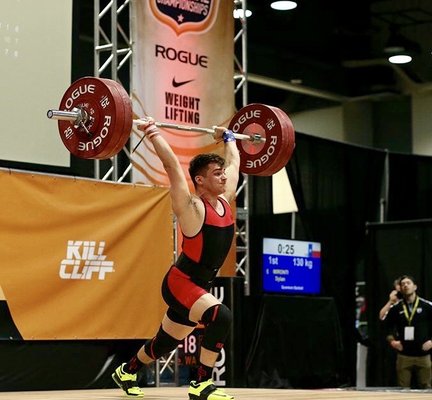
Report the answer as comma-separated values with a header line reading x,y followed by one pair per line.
x,y
203,254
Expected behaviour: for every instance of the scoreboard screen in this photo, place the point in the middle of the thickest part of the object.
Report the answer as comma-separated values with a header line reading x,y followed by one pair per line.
x,y
291,266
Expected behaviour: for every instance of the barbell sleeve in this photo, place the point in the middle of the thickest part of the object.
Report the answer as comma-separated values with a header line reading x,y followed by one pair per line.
x,y
71,116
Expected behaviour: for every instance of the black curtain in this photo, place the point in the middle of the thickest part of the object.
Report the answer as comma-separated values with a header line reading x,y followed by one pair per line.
x,y
288,351
337,188
410,188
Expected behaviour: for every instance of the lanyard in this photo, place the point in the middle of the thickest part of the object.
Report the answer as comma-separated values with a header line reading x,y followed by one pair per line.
x,y
414,309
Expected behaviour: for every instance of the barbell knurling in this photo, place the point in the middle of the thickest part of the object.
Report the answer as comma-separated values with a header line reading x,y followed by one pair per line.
x,y
211,131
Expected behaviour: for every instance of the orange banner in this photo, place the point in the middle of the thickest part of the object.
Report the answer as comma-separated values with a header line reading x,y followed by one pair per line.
x,y
183,73
83,259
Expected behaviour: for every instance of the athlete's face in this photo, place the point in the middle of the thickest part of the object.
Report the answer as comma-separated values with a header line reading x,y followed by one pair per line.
x,y
215,179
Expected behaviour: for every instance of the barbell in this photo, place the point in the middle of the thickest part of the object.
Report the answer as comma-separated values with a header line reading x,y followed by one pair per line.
x,y
95,120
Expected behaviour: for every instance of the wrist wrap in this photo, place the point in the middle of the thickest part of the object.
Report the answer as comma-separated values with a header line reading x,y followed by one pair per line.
x,y
228,136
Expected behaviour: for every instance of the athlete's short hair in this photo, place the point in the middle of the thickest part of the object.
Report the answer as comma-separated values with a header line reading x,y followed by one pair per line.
x,y
199,164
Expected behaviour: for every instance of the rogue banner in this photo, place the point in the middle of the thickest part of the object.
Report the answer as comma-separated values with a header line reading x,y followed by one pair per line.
x,y
183,74
82,259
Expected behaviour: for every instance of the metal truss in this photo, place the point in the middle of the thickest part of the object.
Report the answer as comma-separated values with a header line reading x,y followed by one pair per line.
x,y
112,59
240,86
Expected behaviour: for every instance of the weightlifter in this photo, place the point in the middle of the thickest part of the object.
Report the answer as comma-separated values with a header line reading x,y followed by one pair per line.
x,y
207,225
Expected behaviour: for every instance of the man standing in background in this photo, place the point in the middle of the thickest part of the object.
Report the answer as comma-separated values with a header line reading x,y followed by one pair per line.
x,y
409,331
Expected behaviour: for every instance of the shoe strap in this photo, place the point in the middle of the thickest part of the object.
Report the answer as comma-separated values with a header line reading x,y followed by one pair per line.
x,y
208,390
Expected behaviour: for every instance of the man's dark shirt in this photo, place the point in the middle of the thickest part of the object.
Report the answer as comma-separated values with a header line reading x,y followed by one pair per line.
x,y
397,319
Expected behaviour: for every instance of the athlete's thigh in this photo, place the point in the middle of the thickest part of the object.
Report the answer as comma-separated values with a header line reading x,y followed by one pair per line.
x,y
179,291
185,297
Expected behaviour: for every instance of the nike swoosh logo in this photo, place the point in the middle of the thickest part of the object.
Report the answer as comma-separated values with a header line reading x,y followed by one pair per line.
x,y
178,84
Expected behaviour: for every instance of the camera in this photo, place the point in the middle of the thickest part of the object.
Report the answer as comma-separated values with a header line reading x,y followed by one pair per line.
x,y
399,295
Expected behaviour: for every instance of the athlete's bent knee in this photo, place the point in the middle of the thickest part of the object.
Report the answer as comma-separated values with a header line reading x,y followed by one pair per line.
x,y
160,345
217,320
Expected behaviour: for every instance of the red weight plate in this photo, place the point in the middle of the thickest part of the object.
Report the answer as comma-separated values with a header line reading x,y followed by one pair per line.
x,y
288,136
109,150
282,157
101,104
126,104
275,165
289,131
259,158
128,121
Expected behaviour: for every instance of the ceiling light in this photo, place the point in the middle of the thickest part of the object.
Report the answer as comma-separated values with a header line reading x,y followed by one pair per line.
x,y
283,5
400,59
238,13
399,48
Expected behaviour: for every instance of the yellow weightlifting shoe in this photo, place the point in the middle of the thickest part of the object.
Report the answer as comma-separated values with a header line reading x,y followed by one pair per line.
x,y
207,391
127,382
